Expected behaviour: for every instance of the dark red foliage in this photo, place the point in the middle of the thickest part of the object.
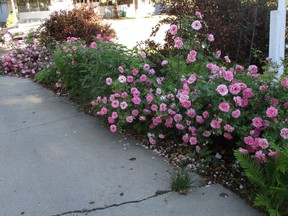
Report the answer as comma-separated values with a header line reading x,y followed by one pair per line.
x,y
80,22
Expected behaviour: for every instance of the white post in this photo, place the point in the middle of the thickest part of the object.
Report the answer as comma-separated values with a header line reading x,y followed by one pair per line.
x,y
277,35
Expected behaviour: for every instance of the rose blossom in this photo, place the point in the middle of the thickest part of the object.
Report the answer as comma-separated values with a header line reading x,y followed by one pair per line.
x,y
249,140
257,122
222,89
224,107
185,138
271,112
178,42
227,59
239,68
253,69
228,136
143,78
193,140
211,37
114,115
284,133
122,79
115,103
136,100
199,119
109,81
235,88
218,54
123,105
273,154
180,127
228,76
164,62
260,157
146,67
248,93
173,29
120,69
113,128
206,134
196,25
135,72
229,128
216,123
198,15
129,119
285,83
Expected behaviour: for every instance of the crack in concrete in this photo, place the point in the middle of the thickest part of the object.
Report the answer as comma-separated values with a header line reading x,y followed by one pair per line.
x,y
85,211
40,125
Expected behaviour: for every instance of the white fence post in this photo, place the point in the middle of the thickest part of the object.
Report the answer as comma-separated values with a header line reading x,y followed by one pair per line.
x,y
277,35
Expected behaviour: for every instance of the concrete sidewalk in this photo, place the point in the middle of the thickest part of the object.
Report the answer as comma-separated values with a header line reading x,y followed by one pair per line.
x,y
56,160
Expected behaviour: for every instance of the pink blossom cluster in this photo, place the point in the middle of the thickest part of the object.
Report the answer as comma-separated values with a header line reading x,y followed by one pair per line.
x,y
25,62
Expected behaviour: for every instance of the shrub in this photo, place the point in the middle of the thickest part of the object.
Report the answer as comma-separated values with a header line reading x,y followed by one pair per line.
x,y
232,24
81,23
83,69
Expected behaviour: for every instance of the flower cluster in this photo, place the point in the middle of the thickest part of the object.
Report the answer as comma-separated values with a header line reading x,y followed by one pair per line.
x,y
27,61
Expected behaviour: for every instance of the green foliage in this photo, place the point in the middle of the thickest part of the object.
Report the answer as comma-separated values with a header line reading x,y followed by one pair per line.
x,y
47,77
270,181
181,180
84,70
81,23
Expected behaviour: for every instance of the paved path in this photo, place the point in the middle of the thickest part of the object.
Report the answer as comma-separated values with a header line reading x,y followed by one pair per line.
x,y
131,31
56,160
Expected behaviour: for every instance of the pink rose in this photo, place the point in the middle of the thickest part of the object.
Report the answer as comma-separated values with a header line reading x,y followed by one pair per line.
x,y
222,89
235,88
224,107
146,67
229,128
229,76
115,103
120,69
129,119
216,123
249,140
123,105
285,83
273,154
196,25
109,81
164,62
178,42
114,115
248,93
113,128
271,112
260,157
135,72
173,29
284,133
136,100
257,122
185,138
143,78
210,37
193,140
180,127
227,59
